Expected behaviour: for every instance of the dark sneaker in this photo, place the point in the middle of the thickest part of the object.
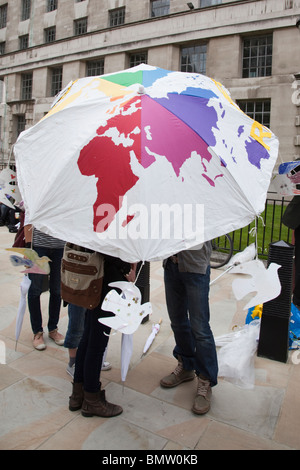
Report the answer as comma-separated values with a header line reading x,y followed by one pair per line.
x,y
203,397
178,376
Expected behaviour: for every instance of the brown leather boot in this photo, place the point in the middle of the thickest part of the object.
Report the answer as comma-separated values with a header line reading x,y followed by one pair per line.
x,y
76,399
95,404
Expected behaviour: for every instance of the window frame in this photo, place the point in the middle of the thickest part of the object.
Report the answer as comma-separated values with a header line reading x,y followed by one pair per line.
x,y
25,10
23,42
49,32
157,7
116,17
209,3
56,80
51,5
80,26
191,66
26,86
256,112
253,61
94,65
134,60
3,15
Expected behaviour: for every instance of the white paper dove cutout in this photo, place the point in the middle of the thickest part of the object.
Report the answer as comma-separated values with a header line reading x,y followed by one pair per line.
x,y
265,282
127,307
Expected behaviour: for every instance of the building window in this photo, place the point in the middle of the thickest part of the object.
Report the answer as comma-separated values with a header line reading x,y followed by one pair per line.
x,y
51,5
21,123
117,16
3,16
259,110
95,67
26,86
26,6
80,26
209,3
138,58
49,34
23,42
160,7
257,56
2,48
56,80
193,59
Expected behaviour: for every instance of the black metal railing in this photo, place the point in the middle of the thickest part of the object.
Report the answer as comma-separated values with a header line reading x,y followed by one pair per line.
x,y
269,228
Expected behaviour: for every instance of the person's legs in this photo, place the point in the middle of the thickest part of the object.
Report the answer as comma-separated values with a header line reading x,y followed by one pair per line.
x,y
176,300
197,288
98,335
74,333
34,303
296,292
90,355
187,296
177,306
55,254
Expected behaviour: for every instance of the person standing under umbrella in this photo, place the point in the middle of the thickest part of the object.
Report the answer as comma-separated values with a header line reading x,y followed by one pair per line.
x,y
86,393
291,218
187,279
44,245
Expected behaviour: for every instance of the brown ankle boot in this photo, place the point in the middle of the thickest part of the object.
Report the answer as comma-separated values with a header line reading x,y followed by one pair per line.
x,y
76,399
94,404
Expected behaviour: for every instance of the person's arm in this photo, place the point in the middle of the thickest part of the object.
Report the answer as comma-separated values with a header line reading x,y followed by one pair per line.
x,y
132,273
28,230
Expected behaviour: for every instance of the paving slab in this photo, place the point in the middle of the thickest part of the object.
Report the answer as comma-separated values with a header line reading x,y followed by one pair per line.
x,y
35,387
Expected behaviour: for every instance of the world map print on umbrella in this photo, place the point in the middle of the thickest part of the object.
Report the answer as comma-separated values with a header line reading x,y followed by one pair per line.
x,y
145,136
137,126
144,163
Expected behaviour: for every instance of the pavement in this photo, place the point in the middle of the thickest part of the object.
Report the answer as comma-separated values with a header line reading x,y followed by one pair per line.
x,y
35,387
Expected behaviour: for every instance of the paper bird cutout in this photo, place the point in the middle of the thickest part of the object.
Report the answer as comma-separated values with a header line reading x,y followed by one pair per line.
x,y
18,261
38,266
265,282
127,307
9,188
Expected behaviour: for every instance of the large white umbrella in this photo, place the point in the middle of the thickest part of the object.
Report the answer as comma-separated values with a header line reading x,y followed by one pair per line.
x,y
143,163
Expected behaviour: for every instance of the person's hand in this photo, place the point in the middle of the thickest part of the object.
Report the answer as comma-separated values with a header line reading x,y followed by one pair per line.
x,y
132,273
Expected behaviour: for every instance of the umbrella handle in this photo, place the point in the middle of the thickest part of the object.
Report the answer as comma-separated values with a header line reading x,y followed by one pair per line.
x,y
139,272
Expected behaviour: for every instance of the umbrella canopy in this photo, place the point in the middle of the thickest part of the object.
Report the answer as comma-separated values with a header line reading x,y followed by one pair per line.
x,y
144,163
126,353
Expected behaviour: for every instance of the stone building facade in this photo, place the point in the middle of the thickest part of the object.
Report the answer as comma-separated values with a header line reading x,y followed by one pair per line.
x,y
251,46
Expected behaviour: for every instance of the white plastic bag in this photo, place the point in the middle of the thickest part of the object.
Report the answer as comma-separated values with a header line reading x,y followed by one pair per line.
x,y
236,355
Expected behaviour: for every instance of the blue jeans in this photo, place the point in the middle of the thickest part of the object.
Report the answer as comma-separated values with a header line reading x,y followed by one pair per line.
x,y
296,292
75,326
36,289
187,297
